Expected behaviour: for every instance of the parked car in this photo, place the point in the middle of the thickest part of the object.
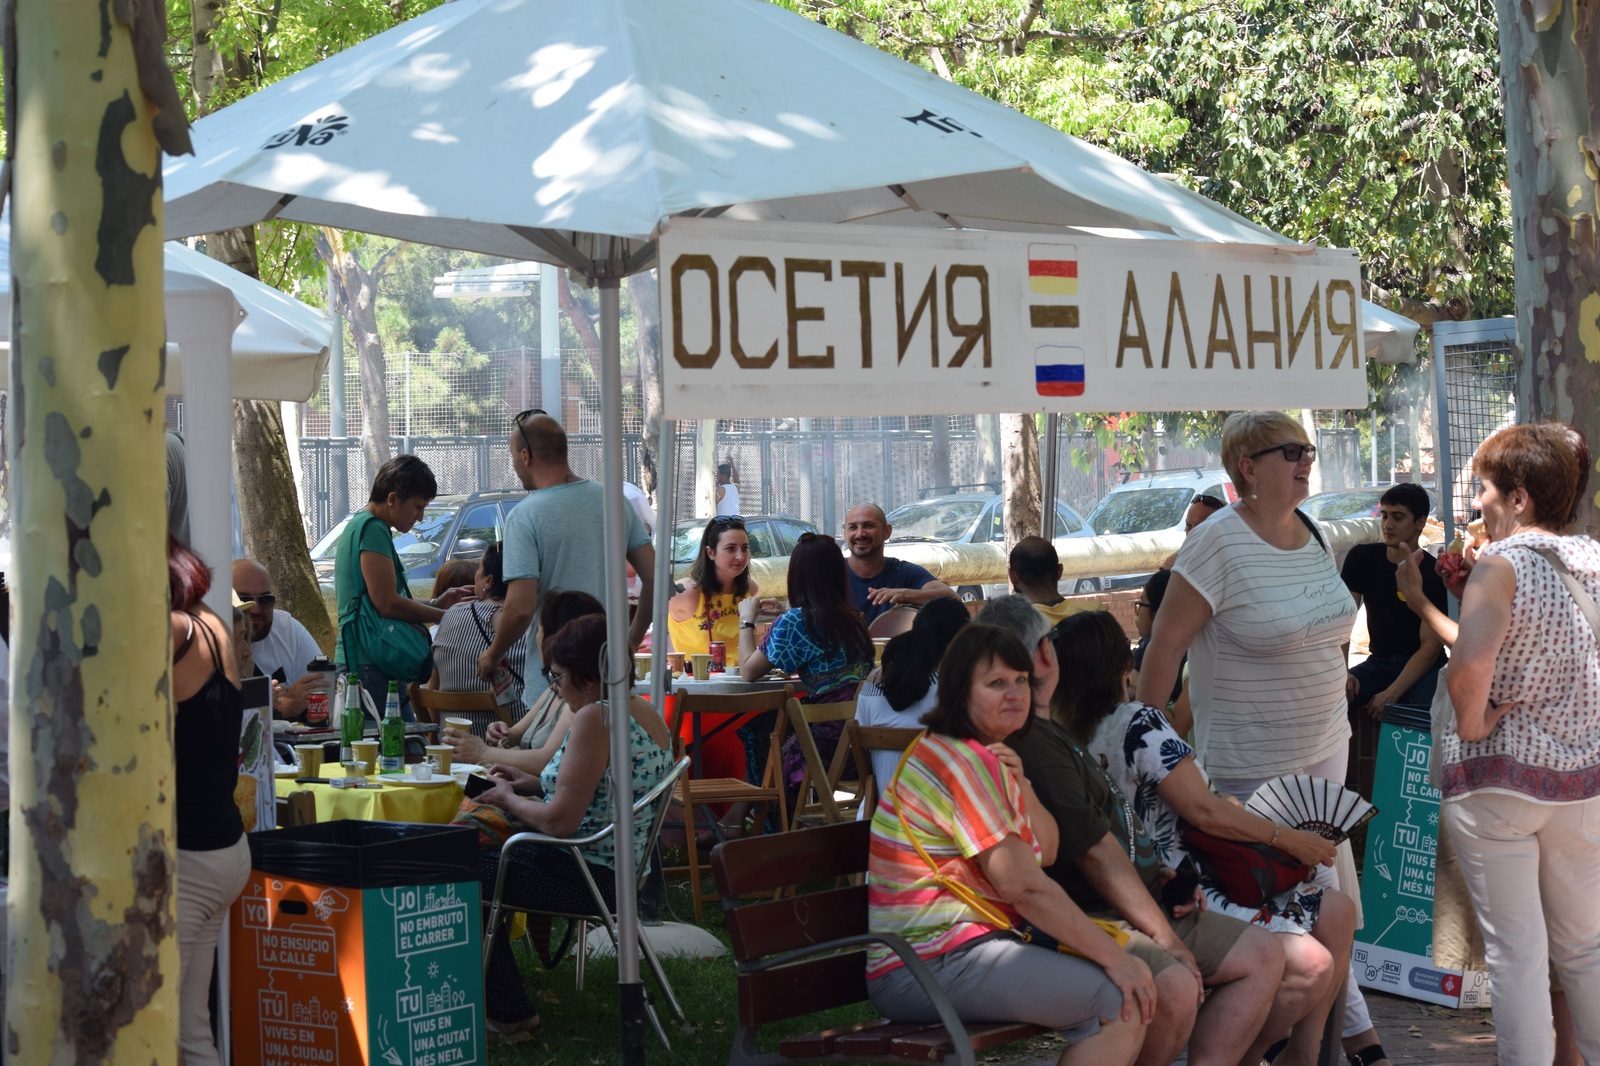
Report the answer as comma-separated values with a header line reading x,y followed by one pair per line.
x,y
975,518
1152,503
1354,503
770,535
452,527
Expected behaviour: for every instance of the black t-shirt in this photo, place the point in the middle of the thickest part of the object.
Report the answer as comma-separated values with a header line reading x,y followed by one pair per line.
x,y
1086,806
1393,629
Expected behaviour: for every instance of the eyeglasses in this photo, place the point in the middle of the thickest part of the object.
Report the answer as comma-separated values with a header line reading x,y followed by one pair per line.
x,y
529,413
1146,606
264,599
1291,452
552,678
1205,499
728,520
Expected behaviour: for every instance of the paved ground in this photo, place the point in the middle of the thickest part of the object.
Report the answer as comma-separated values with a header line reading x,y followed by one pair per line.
x,y
1423,1033
1412,1033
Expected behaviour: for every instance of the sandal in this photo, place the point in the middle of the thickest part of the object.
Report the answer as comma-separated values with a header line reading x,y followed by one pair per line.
x,y
513,1032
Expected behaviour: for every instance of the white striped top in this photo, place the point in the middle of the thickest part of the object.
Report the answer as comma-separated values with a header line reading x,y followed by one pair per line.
x,y
1266,672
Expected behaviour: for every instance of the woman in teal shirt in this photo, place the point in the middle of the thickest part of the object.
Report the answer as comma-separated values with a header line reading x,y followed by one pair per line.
x,y
367,565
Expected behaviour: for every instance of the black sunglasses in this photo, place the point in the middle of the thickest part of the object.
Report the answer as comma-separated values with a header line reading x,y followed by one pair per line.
x,y
1205,499
1291,452
266,599
1145,604
727,520
529,413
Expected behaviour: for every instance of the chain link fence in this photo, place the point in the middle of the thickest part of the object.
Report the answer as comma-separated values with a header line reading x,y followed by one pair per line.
x,y
1476,393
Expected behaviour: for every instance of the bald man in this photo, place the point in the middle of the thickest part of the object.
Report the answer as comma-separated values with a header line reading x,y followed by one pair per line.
x,y
553,541
280,645
877,581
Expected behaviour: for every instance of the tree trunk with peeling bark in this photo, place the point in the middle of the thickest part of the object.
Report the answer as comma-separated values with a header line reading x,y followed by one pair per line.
x,y
1019,451
269,506
1550,71
92,971
355,297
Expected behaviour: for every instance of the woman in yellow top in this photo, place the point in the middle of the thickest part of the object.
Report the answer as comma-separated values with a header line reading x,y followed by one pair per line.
x,y
708,607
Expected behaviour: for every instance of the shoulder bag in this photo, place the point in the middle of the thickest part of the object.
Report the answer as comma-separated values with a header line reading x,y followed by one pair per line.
x,y
402,650
1247,873
992,915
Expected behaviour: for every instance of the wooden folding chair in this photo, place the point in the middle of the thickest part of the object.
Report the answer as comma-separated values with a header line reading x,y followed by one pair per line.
x,y
824,797
862,741
297,808
479,708
696,793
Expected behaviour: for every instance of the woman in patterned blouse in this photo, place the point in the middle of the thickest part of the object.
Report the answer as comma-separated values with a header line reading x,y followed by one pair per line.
x,y
1520,757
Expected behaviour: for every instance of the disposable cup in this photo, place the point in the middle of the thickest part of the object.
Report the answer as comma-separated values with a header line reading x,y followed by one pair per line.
x,y
463,724
701,665
641,667
309,756
366,751
675,663
440,754
421,771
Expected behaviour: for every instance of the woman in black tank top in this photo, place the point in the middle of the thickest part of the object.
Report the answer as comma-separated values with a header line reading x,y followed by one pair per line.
x,y
213,858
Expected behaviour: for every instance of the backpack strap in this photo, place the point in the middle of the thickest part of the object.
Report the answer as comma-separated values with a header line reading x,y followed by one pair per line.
x,y
1311,525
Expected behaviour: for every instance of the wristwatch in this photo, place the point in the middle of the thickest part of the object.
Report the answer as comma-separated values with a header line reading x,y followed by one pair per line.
x,y
747,625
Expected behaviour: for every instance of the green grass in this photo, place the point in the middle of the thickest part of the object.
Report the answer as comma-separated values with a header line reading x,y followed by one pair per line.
x,y
581,1028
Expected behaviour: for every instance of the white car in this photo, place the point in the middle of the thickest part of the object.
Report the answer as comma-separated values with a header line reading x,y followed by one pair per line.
x,y
1154,502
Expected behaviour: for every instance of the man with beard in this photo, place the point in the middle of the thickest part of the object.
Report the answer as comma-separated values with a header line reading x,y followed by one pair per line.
x,y
879,582
280,645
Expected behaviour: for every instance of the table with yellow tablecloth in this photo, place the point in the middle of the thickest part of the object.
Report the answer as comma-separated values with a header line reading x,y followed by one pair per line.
x,y
391,803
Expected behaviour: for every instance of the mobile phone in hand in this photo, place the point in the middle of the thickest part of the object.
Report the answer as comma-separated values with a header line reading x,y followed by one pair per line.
x,y
476,785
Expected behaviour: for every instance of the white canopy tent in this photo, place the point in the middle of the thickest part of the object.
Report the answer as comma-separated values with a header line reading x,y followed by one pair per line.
x,y
229,337
567,133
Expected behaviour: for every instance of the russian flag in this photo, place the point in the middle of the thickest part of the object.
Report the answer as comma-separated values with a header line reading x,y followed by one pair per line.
x,y
1058,371
1053,269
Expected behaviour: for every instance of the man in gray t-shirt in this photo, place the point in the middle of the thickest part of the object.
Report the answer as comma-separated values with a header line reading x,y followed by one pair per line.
x,y
552,542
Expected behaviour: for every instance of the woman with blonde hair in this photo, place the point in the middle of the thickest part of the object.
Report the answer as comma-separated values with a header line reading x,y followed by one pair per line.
x,y
1257,602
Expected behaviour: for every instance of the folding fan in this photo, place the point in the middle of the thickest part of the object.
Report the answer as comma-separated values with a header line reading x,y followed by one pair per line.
x,y
1314,804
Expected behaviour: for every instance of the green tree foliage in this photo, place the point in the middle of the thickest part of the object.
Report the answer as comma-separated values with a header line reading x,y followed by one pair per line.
x,y
1358,123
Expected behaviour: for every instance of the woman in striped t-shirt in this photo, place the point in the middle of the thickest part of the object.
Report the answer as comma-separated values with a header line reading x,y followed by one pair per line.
x,y
959,801
1259,606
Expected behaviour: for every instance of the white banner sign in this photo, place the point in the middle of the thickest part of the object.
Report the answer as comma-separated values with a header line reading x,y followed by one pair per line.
x,y
771,320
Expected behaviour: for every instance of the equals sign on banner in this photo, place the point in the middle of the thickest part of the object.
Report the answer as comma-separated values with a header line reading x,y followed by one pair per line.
x,y
1053,271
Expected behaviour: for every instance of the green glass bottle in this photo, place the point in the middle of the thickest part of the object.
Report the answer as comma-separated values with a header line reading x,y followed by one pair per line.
x,y
352,720
392,734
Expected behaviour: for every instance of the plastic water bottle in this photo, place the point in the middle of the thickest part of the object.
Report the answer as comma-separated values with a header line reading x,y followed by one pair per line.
x,y
352,720
392,736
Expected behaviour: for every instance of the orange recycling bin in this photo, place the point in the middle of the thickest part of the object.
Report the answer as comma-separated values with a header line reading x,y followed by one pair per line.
x,y
359,943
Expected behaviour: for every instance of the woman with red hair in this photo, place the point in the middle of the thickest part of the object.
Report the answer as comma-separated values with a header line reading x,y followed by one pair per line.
x,y
213,858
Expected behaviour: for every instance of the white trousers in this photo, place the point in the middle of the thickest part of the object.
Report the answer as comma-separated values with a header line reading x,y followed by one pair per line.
x,y
1533,870
1341,875
208,883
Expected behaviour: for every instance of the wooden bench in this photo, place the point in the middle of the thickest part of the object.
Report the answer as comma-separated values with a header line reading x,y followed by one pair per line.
x,y
806,952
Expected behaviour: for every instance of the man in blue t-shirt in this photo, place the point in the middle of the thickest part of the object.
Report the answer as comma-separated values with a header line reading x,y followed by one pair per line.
x,y
878,582
553,542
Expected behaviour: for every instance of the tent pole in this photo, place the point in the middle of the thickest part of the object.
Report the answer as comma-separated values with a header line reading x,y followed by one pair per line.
x,y
666,518
617,675
1047,508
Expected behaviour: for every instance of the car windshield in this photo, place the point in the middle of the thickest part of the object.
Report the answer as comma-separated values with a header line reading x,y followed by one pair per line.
x,y
1330,507
1140,511
934,519
686,541
416,547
